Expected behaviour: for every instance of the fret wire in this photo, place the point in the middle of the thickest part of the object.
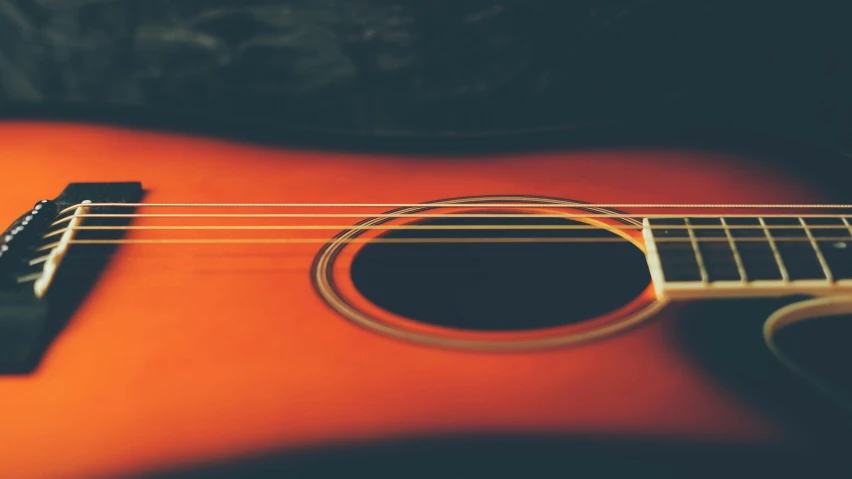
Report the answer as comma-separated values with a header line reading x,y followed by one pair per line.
x,y
848,226
737,258
785,275
702,269
829,276
837,253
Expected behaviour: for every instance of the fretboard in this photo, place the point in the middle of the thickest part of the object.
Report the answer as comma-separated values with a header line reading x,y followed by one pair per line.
x,y
749,256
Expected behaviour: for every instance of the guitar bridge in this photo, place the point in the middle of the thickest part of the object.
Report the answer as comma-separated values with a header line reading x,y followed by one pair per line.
x,y
41,284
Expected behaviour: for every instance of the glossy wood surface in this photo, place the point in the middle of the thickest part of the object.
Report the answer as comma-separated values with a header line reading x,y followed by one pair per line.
x,y
183,354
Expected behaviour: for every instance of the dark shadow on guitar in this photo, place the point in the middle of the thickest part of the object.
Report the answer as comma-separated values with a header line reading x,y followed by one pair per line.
x,y
807,153
518,457
725,338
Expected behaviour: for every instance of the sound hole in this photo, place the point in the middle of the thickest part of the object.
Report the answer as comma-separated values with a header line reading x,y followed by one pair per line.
x,y
501,286
821,347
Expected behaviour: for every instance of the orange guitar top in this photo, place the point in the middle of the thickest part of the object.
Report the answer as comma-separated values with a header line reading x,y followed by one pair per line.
x,y
183,354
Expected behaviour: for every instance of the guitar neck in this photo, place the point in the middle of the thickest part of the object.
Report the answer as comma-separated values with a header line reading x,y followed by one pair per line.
x,y
700,257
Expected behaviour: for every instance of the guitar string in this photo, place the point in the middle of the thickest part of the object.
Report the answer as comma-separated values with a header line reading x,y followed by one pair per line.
x,y
627,216
293,240
495,227
633,217
403,214
449,205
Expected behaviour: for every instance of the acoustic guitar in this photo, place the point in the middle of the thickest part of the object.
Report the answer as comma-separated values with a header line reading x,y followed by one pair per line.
x,y
180,306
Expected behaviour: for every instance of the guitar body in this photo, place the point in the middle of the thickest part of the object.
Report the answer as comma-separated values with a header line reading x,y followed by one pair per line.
x,y
187,355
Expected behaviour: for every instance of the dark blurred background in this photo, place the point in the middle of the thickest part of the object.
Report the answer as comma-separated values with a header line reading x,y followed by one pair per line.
x,y
438,65
448,66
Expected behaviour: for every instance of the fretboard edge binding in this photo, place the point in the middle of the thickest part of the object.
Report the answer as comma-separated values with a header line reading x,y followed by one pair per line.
x,y
757,288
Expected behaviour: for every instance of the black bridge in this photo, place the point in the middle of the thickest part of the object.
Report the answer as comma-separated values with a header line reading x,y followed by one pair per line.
x,y
31,314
